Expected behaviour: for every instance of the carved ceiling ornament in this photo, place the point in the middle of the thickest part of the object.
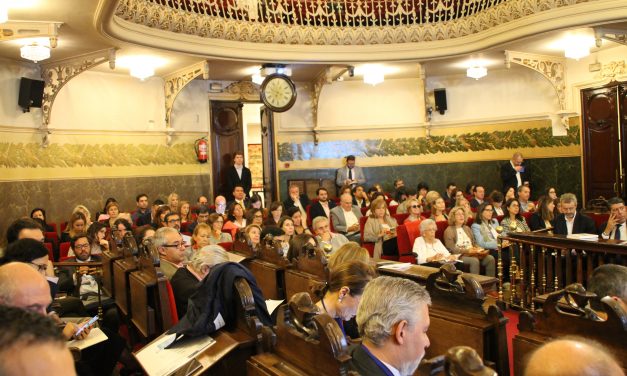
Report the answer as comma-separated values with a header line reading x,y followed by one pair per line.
x,y
176,81
551,67
613,69
322,22
239,91
59,73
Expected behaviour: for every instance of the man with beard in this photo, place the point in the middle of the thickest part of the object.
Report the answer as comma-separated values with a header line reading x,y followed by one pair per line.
x,y
322,207
393,319
572,222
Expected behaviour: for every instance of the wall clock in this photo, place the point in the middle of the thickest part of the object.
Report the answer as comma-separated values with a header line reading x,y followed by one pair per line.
x,y
278,92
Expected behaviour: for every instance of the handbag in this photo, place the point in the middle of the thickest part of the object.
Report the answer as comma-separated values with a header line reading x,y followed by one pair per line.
x,y
390,247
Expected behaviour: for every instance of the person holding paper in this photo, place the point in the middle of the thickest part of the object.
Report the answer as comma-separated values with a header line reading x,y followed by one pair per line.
x,y
459,240
428,248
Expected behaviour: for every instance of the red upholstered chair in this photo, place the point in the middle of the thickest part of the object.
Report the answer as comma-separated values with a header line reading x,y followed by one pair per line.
x,y
499,218
442,225
413,231
64,248
50,253
309,219
470,221
599,218
426,214
400,218
404,245
184,226
369,246
54,226
525,215
63,226
392,209
364,210
228,246
172,303
51,237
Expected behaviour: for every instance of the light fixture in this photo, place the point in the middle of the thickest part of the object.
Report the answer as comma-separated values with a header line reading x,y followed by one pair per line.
x,y
259,75
35,52
4,11
142,71
257,78
476,72
373,74
577,46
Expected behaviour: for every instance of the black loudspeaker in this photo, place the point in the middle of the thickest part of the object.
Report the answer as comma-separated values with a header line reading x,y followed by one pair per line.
x,y
440,100
31,93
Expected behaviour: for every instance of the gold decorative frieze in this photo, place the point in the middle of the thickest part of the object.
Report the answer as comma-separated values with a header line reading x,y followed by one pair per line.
x,y
613,69
176,81
59,73
551,67
323,22
246,91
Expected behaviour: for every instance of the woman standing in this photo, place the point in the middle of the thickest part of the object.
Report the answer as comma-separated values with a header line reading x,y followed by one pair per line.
x,y
379,228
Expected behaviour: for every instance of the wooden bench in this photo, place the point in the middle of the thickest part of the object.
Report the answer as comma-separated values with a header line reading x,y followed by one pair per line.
x,y
122,269
310,266
553,321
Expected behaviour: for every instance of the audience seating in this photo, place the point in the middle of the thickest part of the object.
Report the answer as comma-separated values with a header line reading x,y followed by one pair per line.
x,y
442,225
50,253
364,210
368,245
63,226
228,246
54,227
405,246
50,235
392,209
309,219
400,218
172,303
64,249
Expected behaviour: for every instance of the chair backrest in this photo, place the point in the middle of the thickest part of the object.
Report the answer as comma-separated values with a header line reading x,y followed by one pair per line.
x,y
63,226
64,249
51,235
54,226
392,209
50,253
364,210
362,224
413,232
526,215
442,225
228,246
308,211
172,303
400,218
402,240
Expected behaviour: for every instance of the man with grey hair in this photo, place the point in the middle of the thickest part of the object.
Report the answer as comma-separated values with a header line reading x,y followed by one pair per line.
x,y
609,280
570,221
393,319
572,356
322,231
171,247
345,218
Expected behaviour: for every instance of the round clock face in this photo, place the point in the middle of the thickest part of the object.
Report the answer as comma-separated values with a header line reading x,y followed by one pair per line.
x,y
278,93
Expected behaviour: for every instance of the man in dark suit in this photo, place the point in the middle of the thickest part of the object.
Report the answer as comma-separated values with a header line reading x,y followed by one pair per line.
x,y
515,173
239,196
478,196
296,200
614,228
394,329
448,195
238,174
572,222
322,207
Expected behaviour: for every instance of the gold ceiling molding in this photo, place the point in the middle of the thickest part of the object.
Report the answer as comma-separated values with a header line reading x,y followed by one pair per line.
x,y
234,34
246,91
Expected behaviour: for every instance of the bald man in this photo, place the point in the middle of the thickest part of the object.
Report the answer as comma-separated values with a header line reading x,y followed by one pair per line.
x,y
31,344
572,356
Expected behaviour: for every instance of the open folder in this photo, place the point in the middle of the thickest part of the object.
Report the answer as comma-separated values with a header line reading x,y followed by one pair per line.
x,y
157,359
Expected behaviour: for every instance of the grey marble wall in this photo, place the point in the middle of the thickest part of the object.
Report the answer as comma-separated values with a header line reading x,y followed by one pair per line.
x,y
59,197
563,173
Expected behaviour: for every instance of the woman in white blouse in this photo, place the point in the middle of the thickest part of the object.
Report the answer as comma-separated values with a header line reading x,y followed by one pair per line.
x,y
460,241
428,248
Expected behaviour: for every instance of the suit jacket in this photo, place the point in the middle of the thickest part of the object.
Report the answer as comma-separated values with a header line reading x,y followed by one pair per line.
x,y
233,179
583,224
474,203
362,363
508,175
289,203
316,209
339,222
342,174
184,284
246,203
536,222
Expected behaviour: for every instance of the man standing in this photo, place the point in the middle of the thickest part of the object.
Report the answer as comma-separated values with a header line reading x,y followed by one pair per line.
x,y
171,248
571,222
524,193
296,200
322,207
350,175
346,218
393,319
478,195
515,173
323,233
142,211
239,175
615,227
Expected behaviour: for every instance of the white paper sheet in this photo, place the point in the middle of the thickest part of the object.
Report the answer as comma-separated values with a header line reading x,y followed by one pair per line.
x,y
95,336
273,304
159,361
397,266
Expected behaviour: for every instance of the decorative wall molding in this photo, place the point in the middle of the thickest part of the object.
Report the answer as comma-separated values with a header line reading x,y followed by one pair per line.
x,y
150,23
246,91
59,73
176,81
327,76
613,69
95,132
12,30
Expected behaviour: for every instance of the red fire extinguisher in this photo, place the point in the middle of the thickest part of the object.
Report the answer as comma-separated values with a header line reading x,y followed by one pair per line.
x,y
201,150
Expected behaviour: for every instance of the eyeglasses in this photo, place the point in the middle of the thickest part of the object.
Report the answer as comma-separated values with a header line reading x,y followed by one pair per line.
x,y
175,245
258,215
416,206
81,246
40,267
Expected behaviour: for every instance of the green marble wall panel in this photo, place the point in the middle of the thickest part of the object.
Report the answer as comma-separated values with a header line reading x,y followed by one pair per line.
x,y
475,142
563,173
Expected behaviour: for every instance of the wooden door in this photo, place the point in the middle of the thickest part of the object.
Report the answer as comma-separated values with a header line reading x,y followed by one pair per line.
x,y
269,156
602,133
226,138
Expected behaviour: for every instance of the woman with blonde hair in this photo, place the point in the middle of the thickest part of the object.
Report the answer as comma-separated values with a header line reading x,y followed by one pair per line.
x,y
83,209
173,202
414,209
75,225
464,203
350,251
380,228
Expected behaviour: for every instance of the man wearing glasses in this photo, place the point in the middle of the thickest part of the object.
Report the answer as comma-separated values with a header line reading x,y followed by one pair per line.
x,y
173,220
171,247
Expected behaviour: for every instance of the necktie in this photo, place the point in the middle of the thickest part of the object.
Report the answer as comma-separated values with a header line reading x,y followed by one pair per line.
x,y
350,174
617,232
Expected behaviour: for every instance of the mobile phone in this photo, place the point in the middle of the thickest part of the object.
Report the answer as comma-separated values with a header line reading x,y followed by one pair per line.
x,y
87,325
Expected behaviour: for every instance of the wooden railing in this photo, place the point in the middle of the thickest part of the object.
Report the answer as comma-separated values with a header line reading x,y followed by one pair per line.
x,y
543,263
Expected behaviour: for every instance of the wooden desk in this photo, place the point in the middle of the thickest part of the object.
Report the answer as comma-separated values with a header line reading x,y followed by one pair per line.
x,y
228,355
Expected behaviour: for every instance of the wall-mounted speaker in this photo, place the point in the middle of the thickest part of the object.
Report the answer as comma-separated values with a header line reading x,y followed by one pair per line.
x,y
440,100
31,93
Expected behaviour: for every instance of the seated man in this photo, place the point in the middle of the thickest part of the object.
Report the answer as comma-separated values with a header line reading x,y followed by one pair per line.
x,y
146,220
615,227
220,204
296,200
478,196
239,196
393,319
326,238
609,280
24,228
322,207
411,194
31,344
570,221
202,217
173,220
346,218
142,211
524,193
171,249
572,356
